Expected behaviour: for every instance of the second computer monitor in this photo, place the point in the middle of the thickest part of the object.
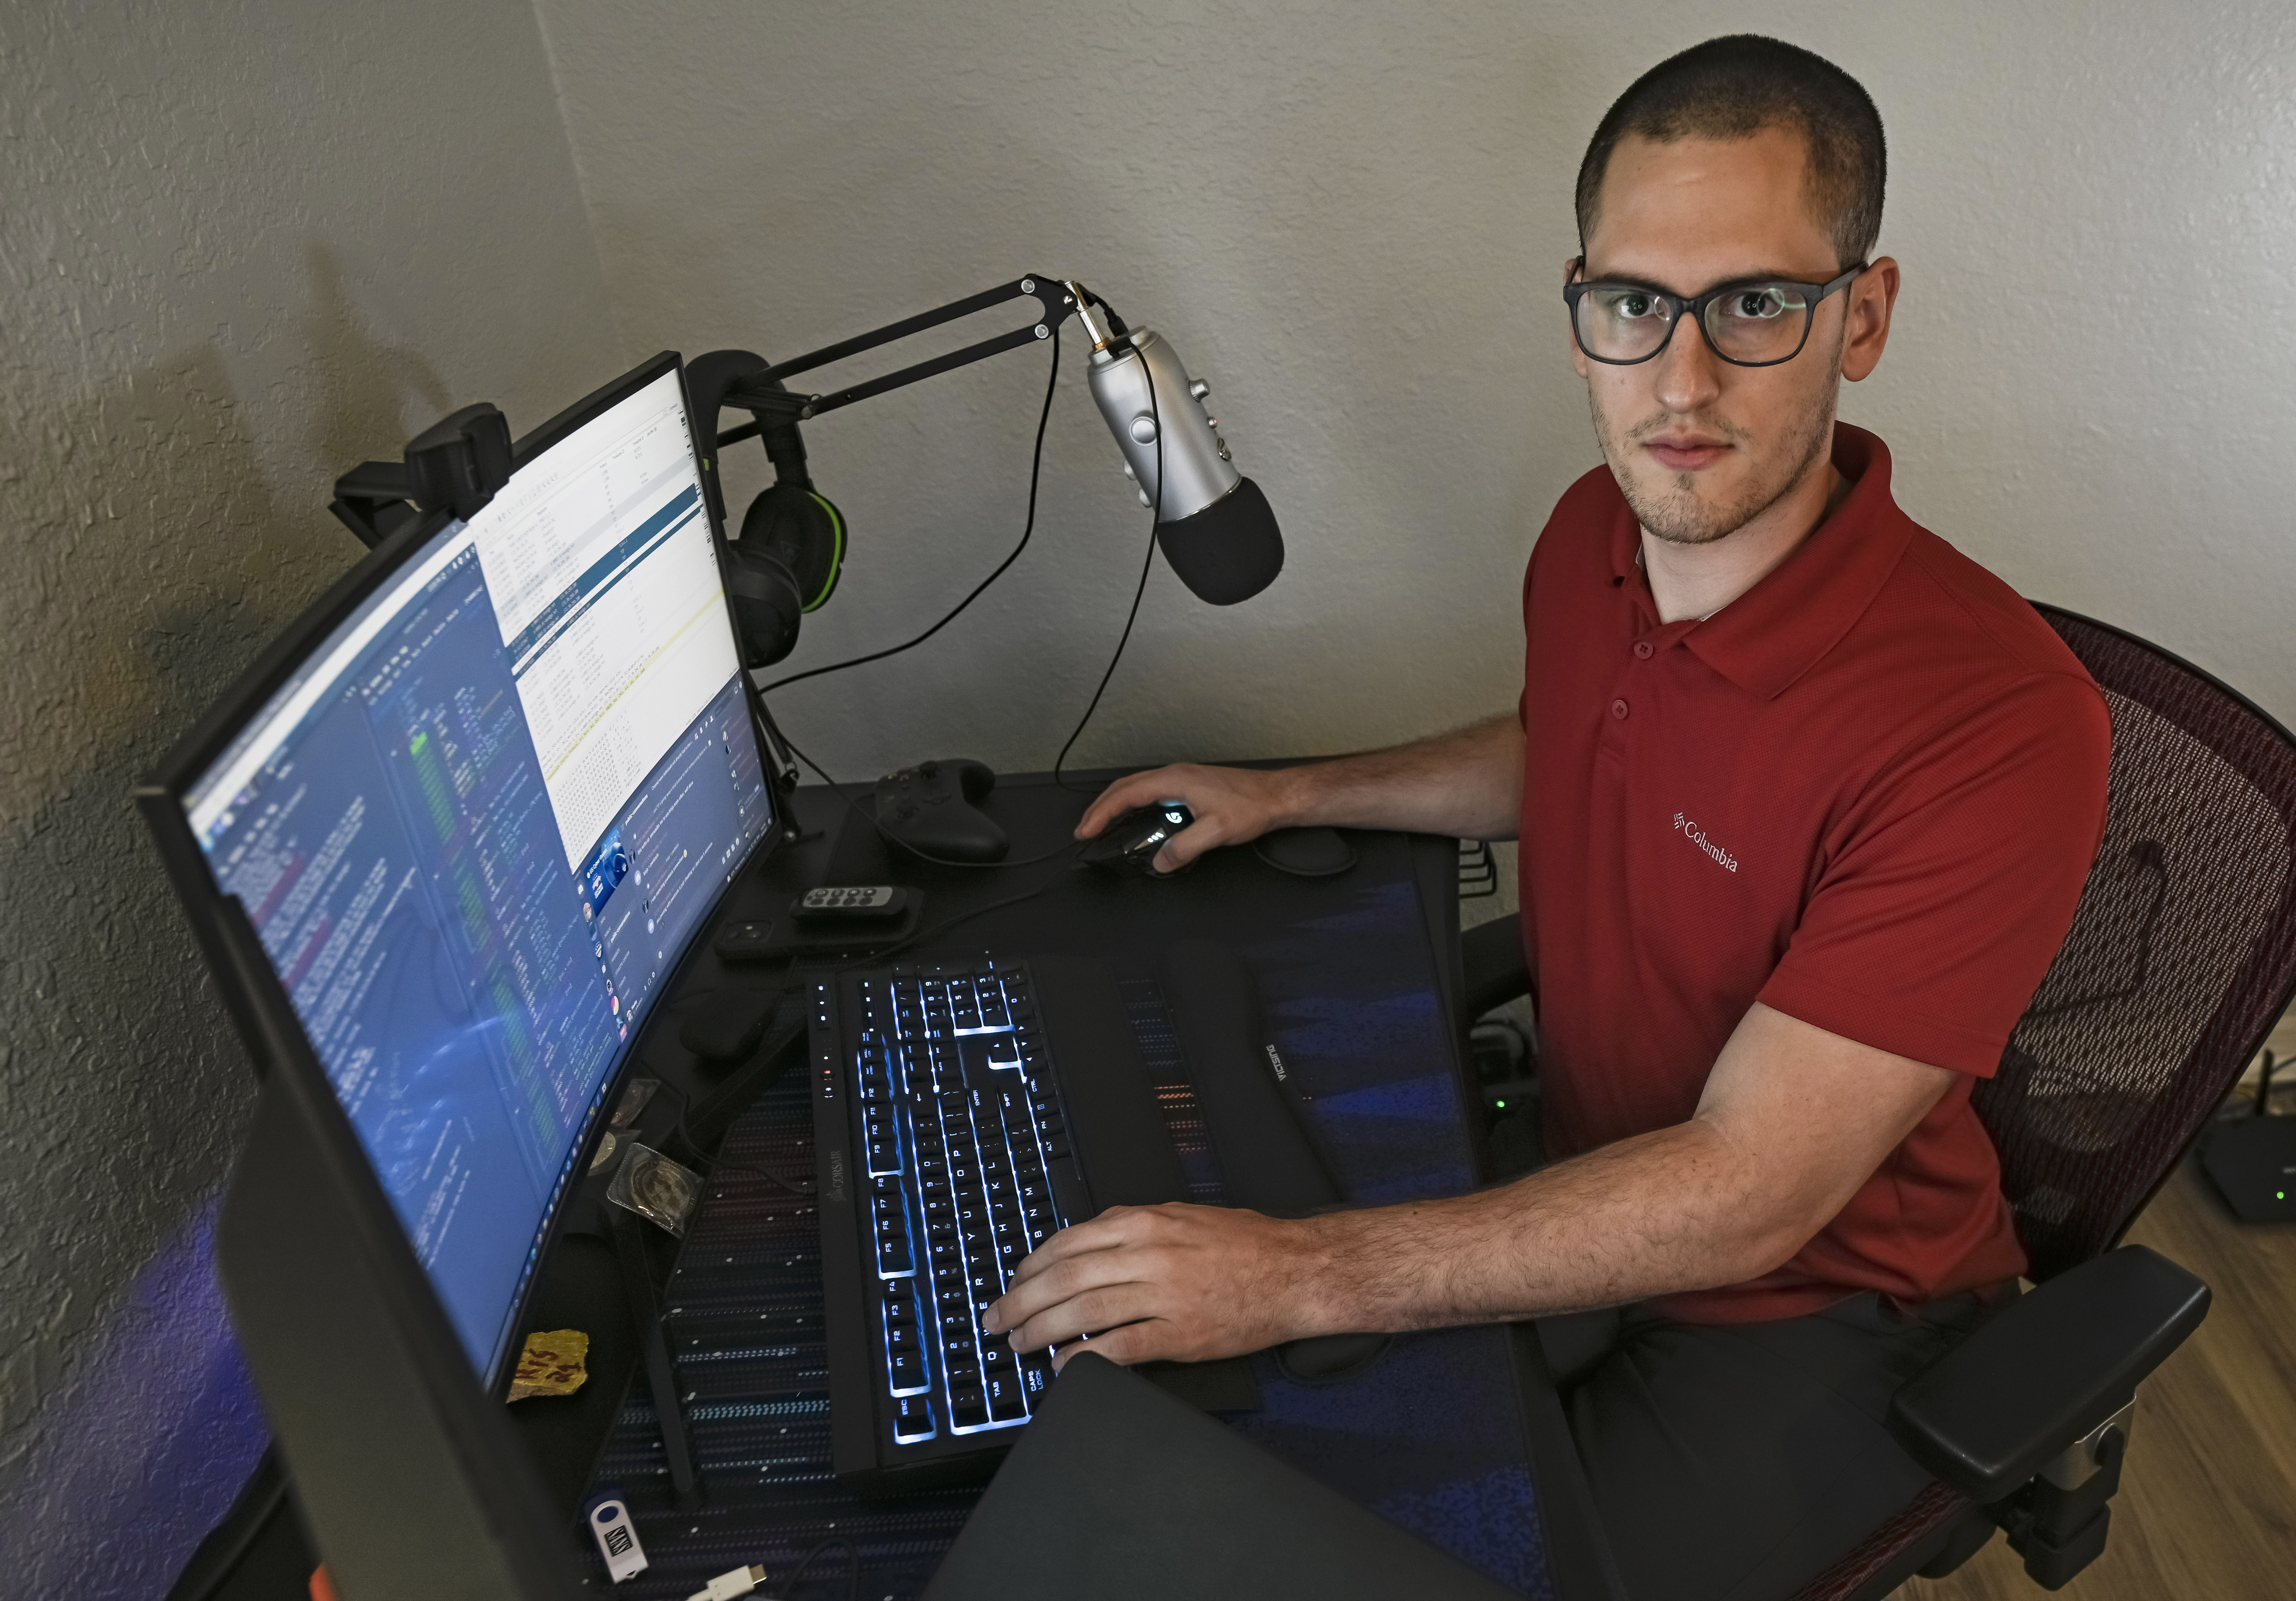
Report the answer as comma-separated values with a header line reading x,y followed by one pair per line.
x,y
483,814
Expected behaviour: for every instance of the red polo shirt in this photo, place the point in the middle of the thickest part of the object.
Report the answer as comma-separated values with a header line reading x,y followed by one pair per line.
x,y
1865,793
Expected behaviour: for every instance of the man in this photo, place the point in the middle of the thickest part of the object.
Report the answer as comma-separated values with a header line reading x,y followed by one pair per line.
x,y
1806,801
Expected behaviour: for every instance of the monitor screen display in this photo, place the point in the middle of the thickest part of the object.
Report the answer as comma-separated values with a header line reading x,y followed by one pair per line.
x,y
480,822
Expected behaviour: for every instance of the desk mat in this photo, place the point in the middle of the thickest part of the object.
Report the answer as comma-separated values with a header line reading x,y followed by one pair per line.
x,y
1428,1436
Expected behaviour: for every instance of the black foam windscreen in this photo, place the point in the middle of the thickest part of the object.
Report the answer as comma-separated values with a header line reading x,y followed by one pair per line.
x,y
1228,551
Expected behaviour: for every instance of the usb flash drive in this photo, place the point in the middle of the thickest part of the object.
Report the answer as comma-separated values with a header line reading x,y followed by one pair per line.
x,y
609,1516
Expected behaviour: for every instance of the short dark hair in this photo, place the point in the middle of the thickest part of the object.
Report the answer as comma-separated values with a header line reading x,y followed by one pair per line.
x,y
1733,87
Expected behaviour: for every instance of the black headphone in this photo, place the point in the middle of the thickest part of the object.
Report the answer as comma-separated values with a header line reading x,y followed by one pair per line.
x,y
791,547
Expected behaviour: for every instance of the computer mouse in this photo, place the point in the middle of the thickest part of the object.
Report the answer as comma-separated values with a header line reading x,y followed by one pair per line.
x,y
1130,843
1306,852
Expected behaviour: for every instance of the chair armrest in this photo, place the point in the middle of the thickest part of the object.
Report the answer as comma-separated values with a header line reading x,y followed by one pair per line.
x,y
2052,1366
1491,958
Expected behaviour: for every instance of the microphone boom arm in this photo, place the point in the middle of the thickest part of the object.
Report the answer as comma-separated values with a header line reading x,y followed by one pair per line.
x,y
1054,299
1213,524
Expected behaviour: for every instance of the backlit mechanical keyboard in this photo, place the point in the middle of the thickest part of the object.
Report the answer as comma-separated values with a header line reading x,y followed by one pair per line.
x,y
959,1130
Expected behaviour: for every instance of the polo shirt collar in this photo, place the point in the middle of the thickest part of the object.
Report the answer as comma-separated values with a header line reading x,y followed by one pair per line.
x,y
1784,625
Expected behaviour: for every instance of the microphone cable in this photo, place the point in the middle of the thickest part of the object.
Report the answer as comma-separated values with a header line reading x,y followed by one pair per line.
x,y
1140,589
1155,515
1035,472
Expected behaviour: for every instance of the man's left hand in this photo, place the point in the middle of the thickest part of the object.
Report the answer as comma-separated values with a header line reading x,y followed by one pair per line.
x,y
1172,1283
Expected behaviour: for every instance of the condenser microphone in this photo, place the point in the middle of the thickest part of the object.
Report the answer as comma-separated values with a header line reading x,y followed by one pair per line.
x,y
1214,525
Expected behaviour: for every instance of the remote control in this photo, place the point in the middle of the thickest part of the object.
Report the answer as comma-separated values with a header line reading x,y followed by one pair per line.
x,y
833,903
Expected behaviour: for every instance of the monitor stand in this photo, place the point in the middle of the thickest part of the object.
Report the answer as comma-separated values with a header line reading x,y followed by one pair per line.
x,y
661,1377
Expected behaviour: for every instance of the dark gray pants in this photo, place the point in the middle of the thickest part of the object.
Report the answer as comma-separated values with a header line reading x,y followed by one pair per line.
x,y
1735,1463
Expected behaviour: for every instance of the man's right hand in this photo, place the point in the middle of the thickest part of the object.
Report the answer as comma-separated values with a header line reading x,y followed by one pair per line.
x,y
1467,783
1231,805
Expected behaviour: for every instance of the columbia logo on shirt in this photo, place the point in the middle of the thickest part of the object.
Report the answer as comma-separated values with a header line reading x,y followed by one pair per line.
x,y
1697,836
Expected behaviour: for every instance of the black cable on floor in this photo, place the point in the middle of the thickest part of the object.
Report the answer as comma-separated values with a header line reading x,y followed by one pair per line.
x,y
853,1555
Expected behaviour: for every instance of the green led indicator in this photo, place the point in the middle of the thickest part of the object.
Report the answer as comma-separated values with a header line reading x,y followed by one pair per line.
x,y
2277,1195
1502,1105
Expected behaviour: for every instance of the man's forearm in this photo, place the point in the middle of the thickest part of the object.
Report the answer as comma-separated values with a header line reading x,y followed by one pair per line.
x,y
1793,1119
1467,783
1673,1209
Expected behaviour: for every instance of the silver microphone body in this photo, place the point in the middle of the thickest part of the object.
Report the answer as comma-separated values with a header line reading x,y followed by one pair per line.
x,y
1194,461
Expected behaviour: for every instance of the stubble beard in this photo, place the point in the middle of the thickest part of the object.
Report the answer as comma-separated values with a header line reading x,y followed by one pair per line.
x,y
1669,504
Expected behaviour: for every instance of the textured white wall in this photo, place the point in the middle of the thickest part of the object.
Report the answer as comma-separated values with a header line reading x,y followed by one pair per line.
x,y
242,247
1350,218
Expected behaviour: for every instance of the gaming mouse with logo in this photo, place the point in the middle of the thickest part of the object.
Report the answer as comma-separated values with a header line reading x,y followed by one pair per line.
x,y
1130,843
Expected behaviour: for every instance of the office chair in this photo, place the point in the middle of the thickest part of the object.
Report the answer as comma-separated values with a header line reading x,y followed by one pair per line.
x,y
2181,957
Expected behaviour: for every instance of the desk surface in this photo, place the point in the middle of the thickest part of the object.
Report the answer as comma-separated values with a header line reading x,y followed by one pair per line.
x,y
1352,976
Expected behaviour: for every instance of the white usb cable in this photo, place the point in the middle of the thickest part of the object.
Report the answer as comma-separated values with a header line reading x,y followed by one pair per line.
x,y
734,1581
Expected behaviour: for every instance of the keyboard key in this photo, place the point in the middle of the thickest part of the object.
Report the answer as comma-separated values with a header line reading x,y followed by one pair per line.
x,y
912,1419
1006,1404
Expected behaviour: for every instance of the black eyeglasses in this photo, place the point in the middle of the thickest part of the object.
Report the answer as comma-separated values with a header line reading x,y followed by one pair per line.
x,y
1755,322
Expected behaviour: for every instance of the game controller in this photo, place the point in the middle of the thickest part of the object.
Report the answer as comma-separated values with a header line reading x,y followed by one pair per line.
x,y
932,808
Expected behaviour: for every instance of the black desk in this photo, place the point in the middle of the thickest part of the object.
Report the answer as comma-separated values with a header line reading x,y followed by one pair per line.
x,y
1442,1437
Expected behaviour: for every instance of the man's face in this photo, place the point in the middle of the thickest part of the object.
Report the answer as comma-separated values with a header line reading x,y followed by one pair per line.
x,y
1699,446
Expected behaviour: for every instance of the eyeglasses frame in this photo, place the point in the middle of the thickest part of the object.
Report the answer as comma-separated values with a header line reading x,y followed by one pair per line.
x,y
1693,307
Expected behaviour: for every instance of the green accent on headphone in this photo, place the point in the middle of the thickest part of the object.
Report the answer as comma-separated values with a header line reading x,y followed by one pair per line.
x,y
836,556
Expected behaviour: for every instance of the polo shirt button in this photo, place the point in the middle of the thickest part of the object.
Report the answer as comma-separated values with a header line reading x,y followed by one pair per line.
x,y
1618,710
1644,649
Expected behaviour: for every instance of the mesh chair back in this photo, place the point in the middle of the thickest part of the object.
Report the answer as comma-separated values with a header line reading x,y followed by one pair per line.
x,y
2181,956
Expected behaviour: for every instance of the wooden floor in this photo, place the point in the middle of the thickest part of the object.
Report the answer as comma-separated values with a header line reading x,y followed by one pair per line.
x,y
2207,1505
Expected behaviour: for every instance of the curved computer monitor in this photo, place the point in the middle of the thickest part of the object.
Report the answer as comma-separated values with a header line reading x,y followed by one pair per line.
x,y
476,805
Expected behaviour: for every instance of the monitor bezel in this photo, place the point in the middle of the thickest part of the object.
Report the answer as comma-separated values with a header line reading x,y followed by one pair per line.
x,y
211,911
